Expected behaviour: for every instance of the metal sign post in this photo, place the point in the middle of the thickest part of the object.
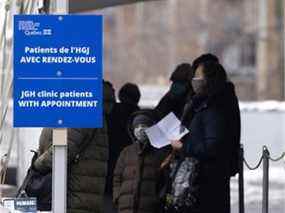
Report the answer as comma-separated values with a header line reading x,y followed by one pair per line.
x,y
59,176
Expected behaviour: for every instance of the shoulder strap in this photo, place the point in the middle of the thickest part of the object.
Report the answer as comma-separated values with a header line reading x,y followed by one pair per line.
x,y
180,161
86,141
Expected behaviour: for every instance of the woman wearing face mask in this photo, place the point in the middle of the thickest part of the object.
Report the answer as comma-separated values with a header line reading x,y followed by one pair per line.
x,y
137,174
214,136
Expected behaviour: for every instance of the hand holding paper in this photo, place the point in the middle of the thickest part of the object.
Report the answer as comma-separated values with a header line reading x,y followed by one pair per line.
x,y
165,131
176,145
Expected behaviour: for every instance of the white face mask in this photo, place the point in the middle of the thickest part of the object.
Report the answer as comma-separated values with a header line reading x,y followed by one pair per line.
x,y
140,133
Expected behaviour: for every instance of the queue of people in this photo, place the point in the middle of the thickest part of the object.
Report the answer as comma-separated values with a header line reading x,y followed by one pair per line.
x,y
115,168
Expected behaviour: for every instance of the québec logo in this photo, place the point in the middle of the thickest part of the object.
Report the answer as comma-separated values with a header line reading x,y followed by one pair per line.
x,y
31,28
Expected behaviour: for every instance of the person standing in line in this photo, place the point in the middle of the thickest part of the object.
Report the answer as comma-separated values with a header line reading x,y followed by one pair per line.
x,y
137,176
214,136
180,91
129,96
88,171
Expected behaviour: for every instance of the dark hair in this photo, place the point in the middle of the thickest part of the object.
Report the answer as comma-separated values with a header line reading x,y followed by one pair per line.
x,y
203,59
108,83
108,91
130,93
183,72
215,76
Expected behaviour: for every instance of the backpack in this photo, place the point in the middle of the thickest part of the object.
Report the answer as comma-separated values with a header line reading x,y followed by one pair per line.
x,y
182,190
37,185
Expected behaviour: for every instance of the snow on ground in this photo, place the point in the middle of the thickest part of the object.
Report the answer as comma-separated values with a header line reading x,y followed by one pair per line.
x,y
253,191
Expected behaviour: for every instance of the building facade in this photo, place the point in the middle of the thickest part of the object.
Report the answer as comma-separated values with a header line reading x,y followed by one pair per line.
x,y
145,41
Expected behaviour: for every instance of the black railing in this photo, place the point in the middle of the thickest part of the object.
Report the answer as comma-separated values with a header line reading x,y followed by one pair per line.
x,y
265,159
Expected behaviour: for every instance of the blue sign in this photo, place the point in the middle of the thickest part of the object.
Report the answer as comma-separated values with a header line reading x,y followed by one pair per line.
x,y
58,71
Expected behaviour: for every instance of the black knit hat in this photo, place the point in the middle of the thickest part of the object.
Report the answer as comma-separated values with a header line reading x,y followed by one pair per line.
x,y
130,93
182,73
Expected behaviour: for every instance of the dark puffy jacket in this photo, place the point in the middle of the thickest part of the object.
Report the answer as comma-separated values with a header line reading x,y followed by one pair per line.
x,y
136,180
86,179
214,141
137,176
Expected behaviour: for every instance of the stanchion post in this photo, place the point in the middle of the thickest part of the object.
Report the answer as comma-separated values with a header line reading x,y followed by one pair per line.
x,y
265,185
241,180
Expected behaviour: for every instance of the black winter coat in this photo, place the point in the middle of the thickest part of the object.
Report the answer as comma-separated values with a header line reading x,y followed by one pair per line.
x,y
170,103
214,140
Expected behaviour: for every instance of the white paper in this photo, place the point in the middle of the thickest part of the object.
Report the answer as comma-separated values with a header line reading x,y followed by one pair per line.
x,y
165,131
